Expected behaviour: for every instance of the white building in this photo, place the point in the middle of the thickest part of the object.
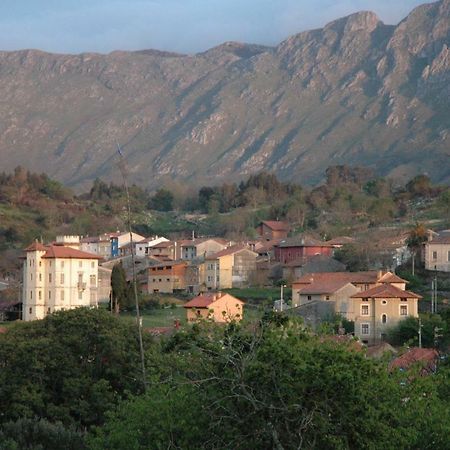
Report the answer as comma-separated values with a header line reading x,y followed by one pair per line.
x,y
142,246
58,277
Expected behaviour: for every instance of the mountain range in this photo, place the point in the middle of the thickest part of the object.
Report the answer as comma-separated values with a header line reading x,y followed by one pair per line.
x,y
355,92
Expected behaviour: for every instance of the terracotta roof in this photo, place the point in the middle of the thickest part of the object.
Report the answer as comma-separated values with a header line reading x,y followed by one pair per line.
x,y
426,356
205,300
36,247
265,246
229,251
59,251
443,237
351,277
390,277
276,225
164,244
341,240
386,291
303,241
324,287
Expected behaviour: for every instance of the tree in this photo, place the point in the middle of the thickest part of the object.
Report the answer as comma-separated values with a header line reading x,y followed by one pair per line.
x,y
417,237
118,287
162,200
278,388
71,367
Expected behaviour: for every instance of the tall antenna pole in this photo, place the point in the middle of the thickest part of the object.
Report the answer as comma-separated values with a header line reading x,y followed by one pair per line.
x,y
123,170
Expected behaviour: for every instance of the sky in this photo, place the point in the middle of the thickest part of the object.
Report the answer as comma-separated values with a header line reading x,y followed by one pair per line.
x,y
184,26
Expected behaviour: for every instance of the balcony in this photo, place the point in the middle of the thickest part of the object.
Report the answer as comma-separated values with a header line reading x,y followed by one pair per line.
x,y
81,286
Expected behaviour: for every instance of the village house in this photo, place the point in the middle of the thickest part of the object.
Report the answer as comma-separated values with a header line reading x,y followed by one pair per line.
x,y
437,251
380,308
272,229
99,245
167,277
120,239
311,264
58,277
142,247
297,247
217,307
201,247
231,267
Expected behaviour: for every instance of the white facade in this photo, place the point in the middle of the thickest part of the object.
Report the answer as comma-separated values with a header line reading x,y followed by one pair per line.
x,y
53,282
141,248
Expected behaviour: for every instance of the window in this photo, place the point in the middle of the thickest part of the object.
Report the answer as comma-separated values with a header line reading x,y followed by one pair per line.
x,y
31,295
434,256
30,310
92,264
62,278
365,328
309,297
403,310
49,310
40,277
364,310
383,318
80,263
40,263
31,276
49,277
40,295
384,302
327,297
62,296
49,295
93,280
62,264
80,295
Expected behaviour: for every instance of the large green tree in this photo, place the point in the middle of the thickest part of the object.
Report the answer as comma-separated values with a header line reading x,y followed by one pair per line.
x,y
277,388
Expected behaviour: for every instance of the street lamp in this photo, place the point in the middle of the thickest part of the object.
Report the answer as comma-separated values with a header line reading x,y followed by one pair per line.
x,y
281,296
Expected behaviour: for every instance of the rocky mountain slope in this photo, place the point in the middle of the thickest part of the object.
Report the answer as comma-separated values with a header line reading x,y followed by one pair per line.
x,y
355,92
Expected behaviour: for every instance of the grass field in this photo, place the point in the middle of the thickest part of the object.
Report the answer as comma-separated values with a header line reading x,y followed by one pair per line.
x,y
165,317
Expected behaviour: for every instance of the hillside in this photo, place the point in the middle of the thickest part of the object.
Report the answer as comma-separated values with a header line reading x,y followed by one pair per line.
x,y
354,92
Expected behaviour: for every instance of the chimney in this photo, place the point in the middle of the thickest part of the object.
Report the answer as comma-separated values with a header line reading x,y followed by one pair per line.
x,y
379,274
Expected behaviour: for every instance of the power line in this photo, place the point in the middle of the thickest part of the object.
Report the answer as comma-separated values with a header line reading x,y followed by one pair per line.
x,y
123,170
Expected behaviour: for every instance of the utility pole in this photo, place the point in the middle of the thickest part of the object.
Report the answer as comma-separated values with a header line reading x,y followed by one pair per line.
x,y
432,296
420,333
435,295
281,297
123,170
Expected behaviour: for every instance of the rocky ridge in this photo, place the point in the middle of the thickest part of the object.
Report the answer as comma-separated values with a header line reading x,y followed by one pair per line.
x,y
354,92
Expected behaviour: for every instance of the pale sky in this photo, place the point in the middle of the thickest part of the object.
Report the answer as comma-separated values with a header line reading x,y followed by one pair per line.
x,y
186,26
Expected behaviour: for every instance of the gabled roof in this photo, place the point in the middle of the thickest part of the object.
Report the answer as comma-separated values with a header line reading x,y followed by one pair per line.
x,y
36,247
59,251
386,291
443,237
351,277
276,225
341,240
303,241
426,356
390,277
230,251
205,300
325,287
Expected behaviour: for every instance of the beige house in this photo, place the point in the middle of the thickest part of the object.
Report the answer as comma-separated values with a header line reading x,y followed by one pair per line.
x,y
437,251
217,307
231,267
201,247
379,308
58,277
167,277
361,280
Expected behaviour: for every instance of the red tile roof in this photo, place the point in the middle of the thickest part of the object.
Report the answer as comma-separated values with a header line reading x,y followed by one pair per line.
x,y
276,225
425,356
324,287
351,277
229,251
303,241
36,247
386,291
205,300
59,251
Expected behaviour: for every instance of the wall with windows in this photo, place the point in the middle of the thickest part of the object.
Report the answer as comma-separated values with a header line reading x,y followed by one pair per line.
x,y
437,256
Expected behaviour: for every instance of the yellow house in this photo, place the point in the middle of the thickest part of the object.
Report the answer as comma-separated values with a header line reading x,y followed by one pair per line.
x,y
231,267
217,307
379,308
437,252
58,277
